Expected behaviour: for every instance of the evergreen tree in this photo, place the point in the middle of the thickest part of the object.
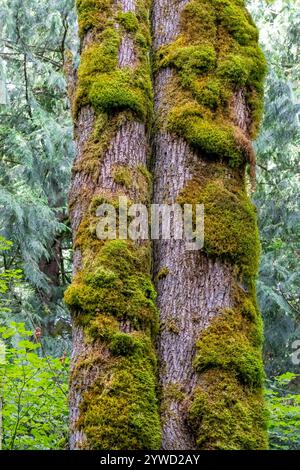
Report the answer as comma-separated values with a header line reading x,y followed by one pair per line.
x,y
208,74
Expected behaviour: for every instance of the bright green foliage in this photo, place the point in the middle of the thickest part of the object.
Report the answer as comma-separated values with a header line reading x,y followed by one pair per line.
x,y
216,52
36,151
284,401
33,392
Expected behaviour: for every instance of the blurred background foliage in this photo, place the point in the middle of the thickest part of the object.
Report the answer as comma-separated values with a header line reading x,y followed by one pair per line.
x,y
36,153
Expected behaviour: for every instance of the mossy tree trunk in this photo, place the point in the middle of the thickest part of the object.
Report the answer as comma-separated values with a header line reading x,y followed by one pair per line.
x,y
208,72
113,375
208,90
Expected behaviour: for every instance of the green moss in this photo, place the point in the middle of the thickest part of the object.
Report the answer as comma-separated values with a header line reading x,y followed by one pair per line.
x,y
230,227
116,283
129,21
163,272
173,392
216,52
112,297
227,415
237,21
104,85
227,411
232,343
123,175
92,14
119,411
188,59
215,139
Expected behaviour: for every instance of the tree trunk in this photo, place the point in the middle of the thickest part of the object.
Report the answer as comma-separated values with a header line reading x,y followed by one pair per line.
x,y
208,73
209,347
113,375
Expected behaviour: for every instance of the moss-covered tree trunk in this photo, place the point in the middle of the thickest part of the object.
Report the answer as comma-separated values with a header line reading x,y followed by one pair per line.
x,y
207,82
208,92
113,375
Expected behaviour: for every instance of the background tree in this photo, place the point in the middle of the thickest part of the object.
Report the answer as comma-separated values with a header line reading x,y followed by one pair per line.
x,y
277,195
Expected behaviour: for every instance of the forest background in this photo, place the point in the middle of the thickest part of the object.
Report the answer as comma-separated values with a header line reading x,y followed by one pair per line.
x,y
38,42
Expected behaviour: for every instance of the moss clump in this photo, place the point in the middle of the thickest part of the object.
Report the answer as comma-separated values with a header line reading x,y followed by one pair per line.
x,y
215,54
226,414
92,14
102,83
215,139
123,175
129,21
189,60
227,408
233,343
120,410
116,283
163,272
173,391
110,295
230,226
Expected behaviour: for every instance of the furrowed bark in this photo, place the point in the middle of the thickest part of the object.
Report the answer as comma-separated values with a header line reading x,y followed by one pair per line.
x,y
208,89
113,374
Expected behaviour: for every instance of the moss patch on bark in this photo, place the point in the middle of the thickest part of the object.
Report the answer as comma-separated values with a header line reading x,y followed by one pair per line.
x,y
215,54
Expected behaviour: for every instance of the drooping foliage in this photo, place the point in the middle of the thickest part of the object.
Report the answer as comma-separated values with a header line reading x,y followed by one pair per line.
x,y
277,194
